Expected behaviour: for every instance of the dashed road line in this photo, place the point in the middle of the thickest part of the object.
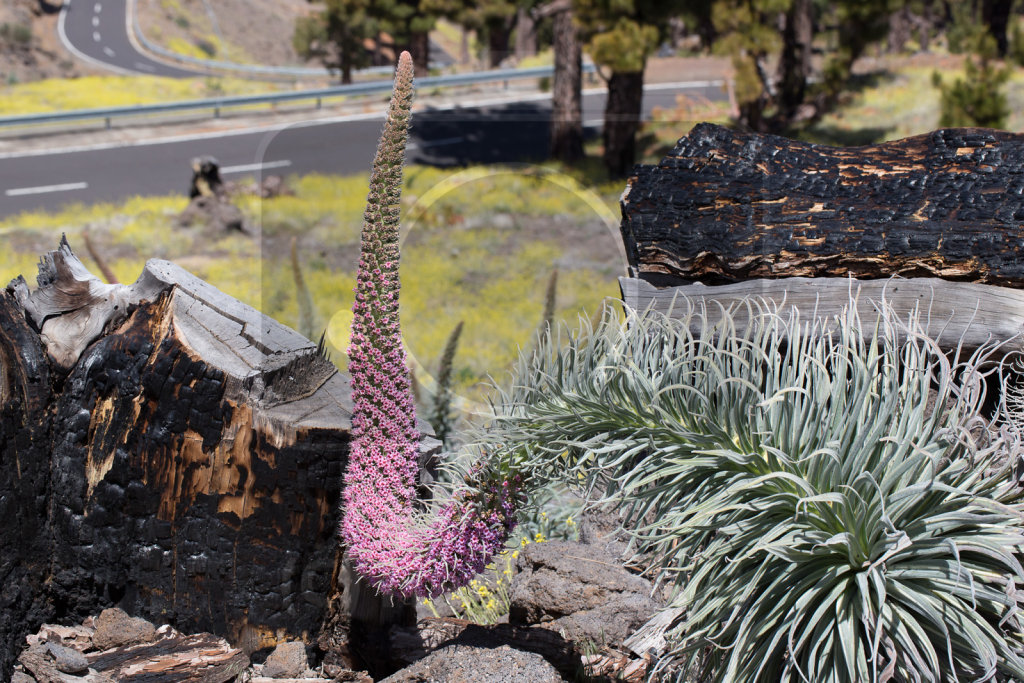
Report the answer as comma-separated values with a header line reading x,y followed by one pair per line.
x,y
144,67
44,189
95,21
108,52
96,36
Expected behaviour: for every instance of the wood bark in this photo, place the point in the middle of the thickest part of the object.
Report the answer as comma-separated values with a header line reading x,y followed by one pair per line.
x,y
794,69
419,48
955,313
171,451
566,92
622,121
725,207
526,34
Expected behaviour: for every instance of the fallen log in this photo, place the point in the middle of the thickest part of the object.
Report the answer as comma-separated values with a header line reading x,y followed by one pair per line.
x,y
953,313
166,449
725,207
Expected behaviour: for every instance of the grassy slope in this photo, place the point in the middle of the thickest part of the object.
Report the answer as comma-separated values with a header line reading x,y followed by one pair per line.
x,y
90,92
480,247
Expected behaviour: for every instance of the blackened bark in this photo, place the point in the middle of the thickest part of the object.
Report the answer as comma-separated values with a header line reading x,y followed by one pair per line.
x,y
622,120
566,92
25,428
726,207
181,460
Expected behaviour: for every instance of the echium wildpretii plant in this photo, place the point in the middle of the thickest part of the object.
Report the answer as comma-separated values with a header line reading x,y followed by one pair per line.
x,y
393,545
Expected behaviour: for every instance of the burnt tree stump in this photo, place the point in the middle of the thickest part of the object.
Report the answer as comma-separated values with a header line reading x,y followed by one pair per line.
x,y
171,451
724,207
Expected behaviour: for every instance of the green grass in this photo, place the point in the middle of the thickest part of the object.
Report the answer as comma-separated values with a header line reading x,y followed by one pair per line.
x,y
896,104
479,246
91,92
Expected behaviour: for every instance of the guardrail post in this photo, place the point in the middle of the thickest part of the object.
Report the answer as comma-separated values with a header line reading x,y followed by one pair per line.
x,y
108,123
216,112
319,102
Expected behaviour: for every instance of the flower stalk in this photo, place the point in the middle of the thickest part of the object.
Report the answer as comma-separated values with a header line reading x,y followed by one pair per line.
x,y
394,546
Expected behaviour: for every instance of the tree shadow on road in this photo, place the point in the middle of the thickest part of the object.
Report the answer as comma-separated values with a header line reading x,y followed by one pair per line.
x,y
518,133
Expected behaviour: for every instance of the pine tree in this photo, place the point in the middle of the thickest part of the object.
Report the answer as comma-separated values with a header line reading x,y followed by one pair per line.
x,y
978,98
621,35
337,34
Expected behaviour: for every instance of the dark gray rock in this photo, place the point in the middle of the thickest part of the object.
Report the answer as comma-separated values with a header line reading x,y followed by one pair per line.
x,y
580,591
67,660
115,628
288,660
468,664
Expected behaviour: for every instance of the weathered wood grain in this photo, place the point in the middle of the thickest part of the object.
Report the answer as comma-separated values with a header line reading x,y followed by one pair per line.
x,y
725,206
952,311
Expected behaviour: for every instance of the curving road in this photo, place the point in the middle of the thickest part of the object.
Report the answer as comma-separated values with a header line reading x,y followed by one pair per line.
x,y
504,131
97,32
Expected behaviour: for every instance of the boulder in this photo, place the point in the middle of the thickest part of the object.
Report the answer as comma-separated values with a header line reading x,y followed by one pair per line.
x,y
67,660
581,591
214,212
115,628
470,664
288,660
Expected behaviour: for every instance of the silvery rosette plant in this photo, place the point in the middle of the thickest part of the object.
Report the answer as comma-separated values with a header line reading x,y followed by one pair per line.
x,y
825,498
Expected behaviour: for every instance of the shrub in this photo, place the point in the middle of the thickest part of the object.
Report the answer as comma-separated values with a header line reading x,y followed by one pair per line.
x,y
820,517
978,98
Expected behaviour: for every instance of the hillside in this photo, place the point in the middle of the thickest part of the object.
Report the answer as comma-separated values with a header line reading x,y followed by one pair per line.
x,y
29,47
245,31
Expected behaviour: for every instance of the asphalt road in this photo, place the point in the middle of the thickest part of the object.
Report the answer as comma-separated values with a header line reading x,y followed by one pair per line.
x,y
97,31
502,133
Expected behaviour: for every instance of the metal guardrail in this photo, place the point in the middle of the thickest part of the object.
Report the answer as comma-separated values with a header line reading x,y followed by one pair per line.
x,y
319,94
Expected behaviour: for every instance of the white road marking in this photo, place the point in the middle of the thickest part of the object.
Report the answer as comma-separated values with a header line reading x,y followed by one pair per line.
x,y
97,8
244,168
144,67
96,36
95,21
43,189
107,51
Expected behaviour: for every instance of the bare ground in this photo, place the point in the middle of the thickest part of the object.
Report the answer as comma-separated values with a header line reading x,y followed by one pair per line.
x,y
29,47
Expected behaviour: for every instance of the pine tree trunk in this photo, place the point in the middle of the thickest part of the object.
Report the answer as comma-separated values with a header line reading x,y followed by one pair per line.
x,y
526,34
795,61
419,48
498,35
622,120
566,95
996,15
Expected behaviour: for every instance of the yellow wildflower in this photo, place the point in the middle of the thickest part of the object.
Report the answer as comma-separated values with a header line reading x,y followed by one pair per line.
x,y
539,537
